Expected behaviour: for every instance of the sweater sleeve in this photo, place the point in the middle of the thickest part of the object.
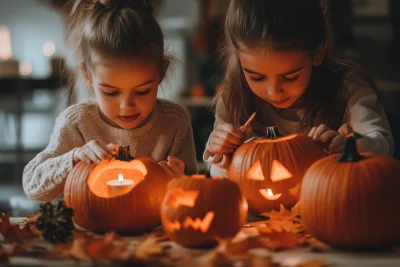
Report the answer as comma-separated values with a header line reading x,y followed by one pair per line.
x,y
367,117
183,144
44,176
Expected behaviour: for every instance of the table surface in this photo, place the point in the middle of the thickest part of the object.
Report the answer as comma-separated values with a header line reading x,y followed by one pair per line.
x,y
291,257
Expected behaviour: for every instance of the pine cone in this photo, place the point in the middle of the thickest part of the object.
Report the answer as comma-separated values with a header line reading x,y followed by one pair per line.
x,y
55,222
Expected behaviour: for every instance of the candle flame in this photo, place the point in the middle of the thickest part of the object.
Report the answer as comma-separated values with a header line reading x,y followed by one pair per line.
x,y
120,178
268,194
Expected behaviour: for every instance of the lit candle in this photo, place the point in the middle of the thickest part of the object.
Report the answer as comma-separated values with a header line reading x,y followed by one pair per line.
x,y
119,186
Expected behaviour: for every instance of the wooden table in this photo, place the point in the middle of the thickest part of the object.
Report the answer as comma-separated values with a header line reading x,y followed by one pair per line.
x,y
202,257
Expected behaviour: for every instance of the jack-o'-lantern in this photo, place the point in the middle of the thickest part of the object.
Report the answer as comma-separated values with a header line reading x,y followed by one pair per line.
x,y
197,211
351,201
122,194
269,170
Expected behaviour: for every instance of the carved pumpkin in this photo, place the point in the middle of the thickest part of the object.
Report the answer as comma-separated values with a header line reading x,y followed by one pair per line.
x,y
197,211
126,209
352,200
269,170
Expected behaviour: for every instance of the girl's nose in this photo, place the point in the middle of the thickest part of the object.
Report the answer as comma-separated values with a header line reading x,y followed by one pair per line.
x,y
127,102
273,88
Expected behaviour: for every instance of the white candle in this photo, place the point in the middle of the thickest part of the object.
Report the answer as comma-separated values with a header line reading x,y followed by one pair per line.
x,y
120,182
119,187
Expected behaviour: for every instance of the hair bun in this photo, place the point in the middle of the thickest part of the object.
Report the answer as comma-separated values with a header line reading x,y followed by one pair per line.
x,y
139,5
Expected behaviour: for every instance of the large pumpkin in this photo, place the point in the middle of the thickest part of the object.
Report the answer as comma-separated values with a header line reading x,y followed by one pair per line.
x,y
197,211
353,200
269,170
127,209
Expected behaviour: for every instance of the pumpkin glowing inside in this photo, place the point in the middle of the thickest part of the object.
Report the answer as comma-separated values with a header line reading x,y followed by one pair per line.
x,y
197,211
269,170
129,209
351,201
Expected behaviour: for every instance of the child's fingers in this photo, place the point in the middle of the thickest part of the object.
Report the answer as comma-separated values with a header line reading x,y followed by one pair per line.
x,y
328,136
319,131
216,149
222,142
312,131
98,150
112,148
227,136
345,129
176,161
91,154
337,144
229,128
177,172
164,165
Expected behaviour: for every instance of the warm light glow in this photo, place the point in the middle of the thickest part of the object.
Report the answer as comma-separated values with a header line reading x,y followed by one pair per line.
x,y
49,49
5,43
178,197
120,178
195,224
279,172
255,172
269,195
279,139
25,69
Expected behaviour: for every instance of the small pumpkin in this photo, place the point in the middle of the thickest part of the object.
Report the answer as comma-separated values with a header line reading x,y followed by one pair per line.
x,y
269,170
351,201
197,211
131,209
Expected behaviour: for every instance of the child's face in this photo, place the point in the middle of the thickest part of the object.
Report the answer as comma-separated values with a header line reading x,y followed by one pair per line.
x,y
125,89
278,77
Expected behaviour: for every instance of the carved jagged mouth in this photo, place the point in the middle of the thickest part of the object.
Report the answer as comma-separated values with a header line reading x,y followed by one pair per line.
x,y
196,224
267,193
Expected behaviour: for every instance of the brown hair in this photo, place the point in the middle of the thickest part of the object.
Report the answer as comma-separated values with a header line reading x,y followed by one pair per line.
x,y
120,28
285,25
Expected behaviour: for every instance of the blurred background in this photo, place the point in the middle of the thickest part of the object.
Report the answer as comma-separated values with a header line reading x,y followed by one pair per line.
x,y
33,49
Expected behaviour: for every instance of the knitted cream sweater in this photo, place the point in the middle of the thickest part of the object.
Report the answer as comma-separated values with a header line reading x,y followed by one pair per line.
x,y
168,132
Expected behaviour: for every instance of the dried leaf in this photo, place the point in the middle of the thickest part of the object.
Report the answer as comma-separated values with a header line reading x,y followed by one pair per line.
x,y
312,263
106,249
278,215
282,240
77,249
296,210
318,246
150,247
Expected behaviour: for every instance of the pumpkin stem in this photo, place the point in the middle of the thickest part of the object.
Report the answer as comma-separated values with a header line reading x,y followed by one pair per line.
x,y
272,132
124,154
350,153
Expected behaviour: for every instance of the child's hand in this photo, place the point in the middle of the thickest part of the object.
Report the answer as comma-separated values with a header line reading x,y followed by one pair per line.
x,y
332,139
225,138
93,151
174,167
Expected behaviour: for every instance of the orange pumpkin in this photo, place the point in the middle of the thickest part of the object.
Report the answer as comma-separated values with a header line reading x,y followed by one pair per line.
x,y
196,211
269,170
352,200
130,209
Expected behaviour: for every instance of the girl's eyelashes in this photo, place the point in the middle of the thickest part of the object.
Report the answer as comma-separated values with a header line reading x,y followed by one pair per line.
x,y
290,79
145,92
257,79
111,93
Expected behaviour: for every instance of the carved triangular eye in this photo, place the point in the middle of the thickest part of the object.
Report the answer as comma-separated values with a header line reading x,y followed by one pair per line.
x,y
279,172
255,172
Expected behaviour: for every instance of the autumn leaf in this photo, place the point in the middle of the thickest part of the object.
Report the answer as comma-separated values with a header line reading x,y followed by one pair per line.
x,y
150,247
282,240
282,214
